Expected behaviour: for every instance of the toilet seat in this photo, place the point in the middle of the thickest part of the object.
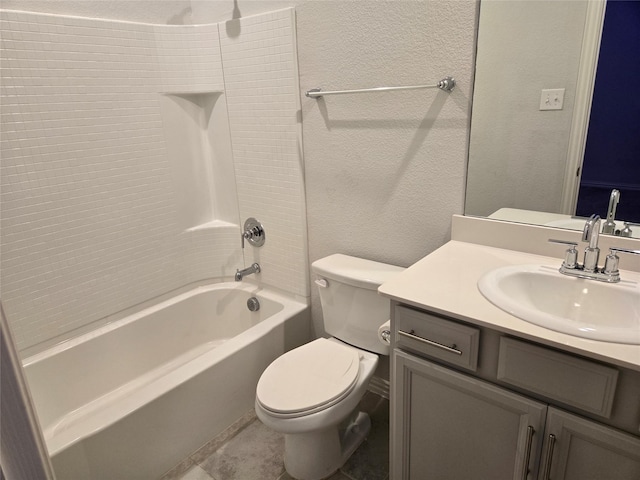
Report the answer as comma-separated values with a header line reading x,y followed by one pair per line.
x,y
308,379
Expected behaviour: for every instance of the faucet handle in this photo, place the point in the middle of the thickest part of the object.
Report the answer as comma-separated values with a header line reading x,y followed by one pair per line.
x,y
611,263
562,242
571,255
624,250
626,231
253,232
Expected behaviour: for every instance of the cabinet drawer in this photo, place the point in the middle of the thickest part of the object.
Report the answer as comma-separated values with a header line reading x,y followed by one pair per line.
x,y
437,337
571,380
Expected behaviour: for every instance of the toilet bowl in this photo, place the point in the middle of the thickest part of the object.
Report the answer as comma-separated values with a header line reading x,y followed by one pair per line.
x,y
310,394
319,433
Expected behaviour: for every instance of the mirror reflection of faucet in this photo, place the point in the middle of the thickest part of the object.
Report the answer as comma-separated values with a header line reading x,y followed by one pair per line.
x,y
609,226
626,231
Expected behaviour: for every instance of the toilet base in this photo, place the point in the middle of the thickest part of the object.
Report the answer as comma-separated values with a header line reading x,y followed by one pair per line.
x,y
318,455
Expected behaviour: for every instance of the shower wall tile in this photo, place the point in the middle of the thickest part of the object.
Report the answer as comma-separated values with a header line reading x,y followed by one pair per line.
x,y
261,80
88,214
189,58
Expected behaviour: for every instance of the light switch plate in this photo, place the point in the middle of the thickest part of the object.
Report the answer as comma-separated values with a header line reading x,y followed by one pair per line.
x,y
552,99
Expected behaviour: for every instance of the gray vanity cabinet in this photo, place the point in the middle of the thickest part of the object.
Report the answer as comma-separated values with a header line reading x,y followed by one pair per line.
x,y
447,425
451,426
584,450
474,404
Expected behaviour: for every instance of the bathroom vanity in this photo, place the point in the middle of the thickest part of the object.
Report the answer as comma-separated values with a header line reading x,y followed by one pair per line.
x,y
477,393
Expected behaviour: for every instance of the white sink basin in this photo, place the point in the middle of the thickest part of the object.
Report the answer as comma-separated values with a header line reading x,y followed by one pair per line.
x,y
580,307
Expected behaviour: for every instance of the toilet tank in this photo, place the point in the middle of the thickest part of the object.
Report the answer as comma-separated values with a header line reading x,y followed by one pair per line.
x,y
352,309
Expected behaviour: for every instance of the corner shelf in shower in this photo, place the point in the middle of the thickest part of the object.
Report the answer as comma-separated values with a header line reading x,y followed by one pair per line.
x,y
186,93
213,224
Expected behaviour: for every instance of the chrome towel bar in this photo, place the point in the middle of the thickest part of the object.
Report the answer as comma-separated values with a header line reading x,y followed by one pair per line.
x,y
447,84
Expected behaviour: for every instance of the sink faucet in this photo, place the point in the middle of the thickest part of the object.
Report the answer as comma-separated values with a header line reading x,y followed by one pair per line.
x,y
590,235
240,274
589,269
610,224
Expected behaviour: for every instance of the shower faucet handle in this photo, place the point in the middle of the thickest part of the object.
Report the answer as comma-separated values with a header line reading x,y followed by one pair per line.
x,y
253,232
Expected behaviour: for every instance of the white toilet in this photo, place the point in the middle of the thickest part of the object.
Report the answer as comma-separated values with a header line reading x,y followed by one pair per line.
x,y
310,393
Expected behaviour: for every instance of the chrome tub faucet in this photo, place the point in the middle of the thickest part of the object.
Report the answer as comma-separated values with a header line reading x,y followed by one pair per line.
x,y
240,274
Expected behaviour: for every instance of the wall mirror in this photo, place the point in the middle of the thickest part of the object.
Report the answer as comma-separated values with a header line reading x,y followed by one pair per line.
x,y
525,156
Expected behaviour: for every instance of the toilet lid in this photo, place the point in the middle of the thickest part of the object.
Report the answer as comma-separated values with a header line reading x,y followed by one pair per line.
x,y
315,374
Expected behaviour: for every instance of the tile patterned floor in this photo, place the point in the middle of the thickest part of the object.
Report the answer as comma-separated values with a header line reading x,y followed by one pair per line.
x,y
250,451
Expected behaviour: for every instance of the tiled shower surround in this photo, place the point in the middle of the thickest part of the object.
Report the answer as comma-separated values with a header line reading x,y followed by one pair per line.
x,y
261,75
96,179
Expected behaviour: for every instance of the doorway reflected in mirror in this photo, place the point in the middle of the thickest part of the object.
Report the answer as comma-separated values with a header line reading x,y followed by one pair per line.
x,y
612,152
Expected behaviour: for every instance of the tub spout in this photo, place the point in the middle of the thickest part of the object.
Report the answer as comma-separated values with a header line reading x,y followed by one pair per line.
x,y
240,274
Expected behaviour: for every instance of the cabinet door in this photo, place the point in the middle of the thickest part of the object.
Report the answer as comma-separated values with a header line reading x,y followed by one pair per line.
x,y
446,425
579,449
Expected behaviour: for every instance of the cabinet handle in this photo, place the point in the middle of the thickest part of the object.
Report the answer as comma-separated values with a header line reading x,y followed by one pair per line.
x,y
548,456
411,335
527,452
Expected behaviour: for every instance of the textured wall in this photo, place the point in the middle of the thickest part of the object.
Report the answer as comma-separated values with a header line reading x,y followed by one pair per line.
x,y
519,153
384,172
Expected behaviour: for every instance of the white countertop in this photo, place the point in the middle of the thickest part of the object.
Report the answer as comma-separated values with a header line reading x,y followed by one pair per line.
x,y
446,282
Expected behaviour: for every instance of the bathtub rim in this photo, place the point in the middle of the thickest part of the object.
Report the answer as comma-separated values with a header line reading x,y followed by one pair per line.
x,y
103,325
68,430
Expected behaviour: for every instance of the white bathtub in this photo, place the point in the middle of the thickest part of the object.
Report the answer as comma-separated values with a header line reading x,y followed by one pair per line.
x,y
133,398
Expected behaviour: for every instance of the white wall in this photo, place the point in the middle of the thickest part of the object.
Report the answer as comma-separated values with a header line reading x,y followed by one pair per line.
x,y
172,12
89,201
384,172
519,153
261,77
209,11
118,177
163,12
